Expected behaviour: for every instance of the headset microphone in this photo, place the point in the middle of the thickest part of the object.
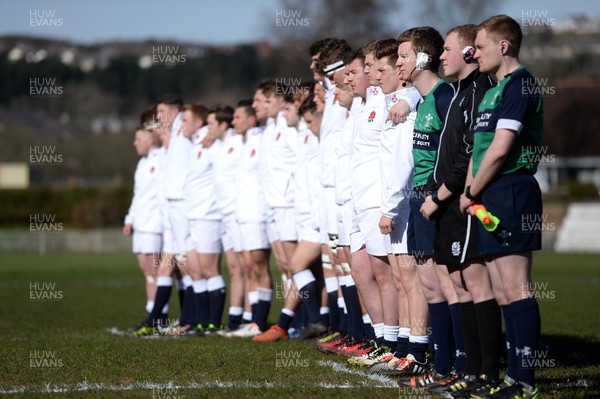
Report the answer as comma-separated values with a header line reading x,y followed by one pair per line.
x,y
408,78
423,59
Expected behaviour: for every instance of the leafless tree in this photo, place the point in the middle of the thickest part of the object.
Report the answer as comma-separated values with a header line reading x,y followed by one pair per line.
x,y
446,14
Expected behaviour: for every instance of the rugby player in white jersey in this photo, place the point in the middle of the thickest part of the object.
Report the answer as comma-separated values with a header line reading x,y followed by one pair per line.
x,y
277,161
162,134
347,299
143,219
280,163
370,270
224,174
169,114
305,262
250,214
203,244
396,168
261,295
193,117
331,65
418,61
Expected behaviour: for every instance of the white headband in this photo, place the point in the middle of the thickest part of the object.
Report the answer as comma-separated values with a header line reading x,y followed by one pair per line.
x,y
331,68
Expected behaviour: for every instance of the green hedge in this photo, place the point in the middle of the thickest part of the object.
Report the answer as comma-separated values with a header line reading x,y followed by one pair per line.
x,y
73,207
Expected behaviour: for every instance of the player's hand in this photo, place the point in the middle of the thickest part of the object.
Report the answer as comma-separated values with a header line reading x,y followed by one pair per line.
x,y
385,225
399,112
127,230
428,208
465,204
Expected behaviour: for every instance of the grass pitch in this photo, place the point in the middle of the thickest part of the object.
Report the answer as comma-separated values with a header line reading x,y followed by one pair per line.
x,y
55,310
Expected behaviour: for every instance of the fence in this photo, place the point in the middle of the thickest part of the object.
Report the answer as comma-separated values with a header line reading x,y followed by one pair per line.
x,y
96,240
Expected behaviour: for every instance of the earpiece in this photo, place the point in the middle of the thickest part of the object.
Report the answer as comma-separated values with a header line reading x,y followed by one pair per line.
x,y
468,53
423,59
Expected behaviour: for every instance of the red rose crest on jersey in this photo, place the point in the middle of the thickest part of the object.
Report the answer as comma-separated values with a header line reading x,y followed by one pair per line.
x,y
253,152
199,153
394,99
375,91
306,139
335,98
152,169
230,150
278,136
371,116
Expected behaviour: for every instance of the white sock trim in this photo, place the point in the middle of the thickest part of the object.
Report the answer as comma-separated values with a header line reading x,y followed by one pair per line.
x,y
324,310
253,297
164,281
349,281
303,278
236,310
403,332
215,283
378,330
390,333
200,286
288,312
265,294
331,284
187,281
419,339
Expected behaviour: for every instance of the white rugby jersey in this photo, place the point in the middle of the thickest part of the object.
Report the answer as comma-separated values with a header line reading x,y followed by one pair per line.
x,y
307,142
160,188
144,212
200,196
266,139
225,171
280,162
177,165
396,160
334,119
365,176
312,175
343,192
250,198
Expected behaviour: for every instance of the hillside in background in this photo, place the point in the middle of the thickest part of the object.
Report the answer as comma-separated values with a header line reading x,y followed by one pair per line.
x,y
85,100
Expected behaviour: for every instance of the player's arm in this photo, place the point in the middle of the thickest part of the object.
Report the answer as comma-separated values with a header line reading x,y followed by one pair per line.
x,y
493,159
127,224
465,202
398,187
399,112
430,206
462,167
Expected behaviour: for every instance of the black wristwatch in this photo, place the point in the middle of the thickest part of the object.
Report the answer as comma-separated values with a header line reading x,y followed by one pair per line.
x,y
435,198
468,193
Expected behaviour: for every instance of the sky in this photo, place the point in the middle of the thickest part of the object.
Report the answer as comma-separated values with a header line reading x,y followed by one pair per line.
x,y
201,21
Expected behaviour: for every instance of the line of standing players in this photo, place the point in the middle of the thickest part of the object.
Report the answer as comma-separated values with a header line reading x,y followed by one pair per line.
x,y
362,184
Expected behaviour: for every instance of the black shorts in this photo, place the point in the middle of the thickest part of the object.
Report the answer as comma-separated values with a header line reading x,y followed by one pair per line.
x,y
516,199
420,230
455,235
